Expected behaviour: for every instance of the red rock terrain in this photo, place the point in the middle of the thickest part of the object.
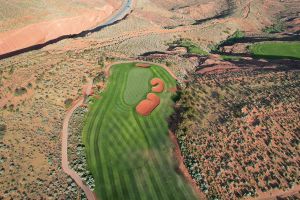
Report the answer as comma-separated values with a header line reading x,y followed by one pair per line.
x,y
45,31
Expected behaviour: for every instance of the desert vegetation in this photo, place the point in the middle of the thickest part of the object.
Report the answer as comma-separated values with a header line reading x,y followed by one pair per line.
x,y
239,132
30,145
189,45
2,129
76,148
30,149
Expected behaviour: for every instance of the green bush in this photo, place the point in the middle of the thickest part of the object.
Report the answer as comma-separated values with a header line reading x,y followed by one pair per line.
x,y
190,46
274,28
68,102
20,91
2,130
235,37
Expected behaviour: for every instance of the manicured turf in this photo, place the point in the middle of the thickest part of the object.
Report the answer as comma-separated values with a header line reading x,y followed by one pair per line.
x,y
129,155
276,50
137,85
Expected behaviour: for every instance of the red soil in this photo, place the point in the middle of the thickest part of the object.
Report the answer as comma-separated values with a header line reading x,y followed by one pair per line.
x,y
146,106
87,90
158,85
42,32
173,90
143,65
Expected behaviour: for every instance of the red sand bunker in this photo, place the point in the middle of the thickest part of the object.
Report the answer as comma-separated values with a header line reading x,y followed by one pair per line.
x,y
146,106
158,85
143,65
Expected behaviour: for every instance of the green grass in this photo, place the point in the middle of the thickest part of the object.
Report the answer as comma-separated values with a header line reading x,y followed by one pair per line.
x,y
130,155
137,86
276,50
232,39
275,28
191,47
230,58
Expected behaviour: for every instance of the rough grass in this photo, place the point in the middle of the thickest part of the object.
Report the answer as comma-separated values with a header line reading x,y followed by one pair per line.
x,y
275,28
276,50
230,58
190,46
130,155
137,85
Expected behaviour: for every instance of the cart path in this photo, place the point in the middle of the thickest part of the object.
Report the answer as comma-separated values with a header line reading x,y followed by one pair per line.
x,y
65,163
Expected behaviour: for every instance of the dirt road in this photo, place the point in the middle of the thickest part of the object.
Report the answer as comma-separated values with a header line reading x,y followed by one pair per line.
x,y
64,151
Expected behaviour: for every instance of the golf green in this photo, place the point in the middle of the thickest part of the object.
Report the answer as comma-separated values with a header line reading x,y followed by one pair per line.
x,y
129,155
276,50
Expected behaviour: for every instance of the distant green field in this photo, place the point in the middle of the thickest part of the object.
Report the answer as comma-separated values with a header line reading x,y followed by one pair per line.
x,y
130,155
276,50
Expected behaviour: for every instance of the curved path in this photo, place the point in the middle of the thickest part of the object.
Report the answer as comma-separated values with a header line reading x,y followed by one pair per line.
x,y
65,163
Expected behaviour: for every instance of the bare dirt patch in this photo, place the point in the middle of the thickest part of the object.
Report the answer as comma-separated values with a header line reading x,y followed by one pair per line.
x,y
42,32
146,107
158,85
143,65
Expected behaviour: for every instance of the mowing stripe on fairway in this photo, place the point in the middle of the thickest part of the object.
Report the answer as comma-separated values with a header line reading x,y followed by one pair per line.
x,y
128,154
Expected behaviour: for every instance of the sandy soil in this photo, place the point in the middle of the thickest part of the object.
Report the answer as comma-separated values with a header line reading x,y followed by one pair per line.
x,y
45,31
145,107
143,65
158,85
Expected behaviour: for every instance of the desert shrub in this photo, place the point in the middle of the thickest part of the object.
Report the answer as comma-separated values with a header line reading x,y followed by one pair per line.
x,y
213,47
168,63
232,39
99,77
20,91
215,95
190,46
274,28
68,102
101,61
176,96
235,37
2,130
29,85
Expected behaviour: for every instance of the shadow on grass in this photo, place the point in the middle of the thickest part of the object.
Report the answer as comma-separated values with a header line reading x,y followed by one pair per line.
x,y
290,38
270,65
274,57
